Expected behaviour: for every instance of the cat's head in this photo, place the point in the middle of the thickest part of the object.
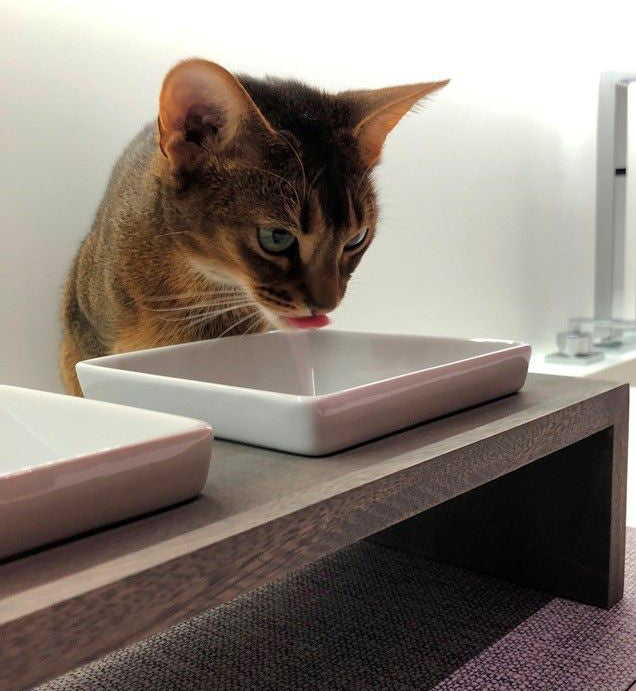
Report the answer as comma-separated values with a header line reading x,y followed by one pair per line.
x,y
270,180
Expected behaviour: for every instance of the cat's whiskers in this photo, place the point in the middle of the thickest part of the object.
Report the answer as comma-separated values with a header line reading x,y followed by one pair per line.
x,y
235,324
202,316
203,319
199,305
261,319
193,319
206,293
255,324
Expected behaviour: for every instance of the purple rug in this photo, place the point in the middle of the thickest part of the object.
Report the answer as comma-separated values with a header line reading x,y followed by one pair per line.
x,y
562,647
371,618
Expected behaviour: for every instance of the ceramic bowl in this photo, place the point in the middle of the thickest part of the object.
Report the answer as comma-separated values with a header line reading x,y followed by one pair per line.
x,y
310,392
68,464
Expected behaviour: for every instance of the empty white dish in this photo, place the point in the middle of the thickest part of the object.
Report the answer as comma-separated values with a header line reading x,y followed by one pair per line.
x,y
310,392
68,465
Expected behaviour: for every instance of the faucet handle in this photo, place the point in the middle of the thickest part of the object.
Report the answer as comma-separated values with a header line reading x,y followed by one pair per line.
x,y
575,343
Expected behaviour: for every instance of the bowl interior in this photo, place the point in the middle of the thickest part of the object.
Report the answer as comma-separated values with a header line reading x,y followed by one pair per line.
x,y
305,363
37,427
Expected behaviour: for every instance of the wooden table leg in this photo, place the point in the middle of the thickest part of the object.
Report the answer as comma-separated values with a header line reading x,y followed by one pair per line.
x,y
557,524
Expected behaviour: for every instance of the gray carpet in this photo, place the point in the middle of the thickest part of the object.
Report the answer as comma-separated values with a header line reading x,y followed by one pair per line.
x,y
371,618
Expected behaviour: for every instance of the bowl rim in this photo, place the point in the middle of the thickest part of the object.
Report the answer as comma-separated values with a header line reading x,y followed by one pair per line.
x,y
510,349
198,431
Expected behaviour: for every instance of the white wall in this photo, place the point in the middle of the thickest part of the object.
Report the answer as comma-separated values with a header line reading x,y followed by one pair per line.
x,y
488,193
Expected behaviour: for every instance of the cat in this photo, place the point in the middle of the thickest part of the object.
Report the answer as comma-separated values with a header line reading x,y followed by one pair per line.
x,y
246,207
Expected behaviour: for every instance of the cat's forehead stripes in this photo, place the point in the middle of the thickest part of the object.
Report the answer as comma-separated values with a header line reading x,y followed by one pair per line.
x,y
334,202
329,211
321,125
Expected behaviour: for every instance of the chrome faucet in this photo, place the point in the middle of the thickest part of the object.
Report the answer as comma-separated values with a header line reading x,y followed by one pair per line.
x,y
586,338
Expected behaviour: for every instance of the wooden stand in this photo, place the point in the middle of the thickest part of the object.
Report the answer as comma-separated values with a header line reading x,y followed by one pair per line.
x,y
530,488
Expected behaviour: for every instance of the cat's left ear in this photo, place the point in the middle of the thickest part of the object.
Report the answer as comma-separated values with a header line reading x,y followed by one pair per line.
x,y
381,110
204,107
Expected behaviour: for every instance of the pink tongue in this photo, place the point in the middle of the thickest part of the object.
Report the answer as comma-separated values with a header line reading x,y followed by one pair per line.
x,y
313,322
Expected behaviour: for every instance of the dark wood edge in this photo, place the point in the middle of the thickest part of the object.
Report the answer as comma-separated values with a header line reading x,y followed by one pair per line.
x,y
619,494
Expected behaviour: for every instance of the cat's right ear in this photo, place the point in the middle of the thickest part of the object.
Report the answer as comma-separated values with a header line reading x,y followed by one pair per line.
x,y
203,108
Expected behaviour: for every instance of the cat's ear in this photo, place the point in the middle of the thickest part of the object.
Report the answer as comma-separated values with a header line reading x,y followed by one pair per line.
x,y
203,106
381,110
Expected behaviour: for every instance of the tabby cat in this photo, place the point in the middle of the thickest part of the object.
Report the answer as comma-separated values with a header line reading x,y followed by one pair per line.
x,y
245,208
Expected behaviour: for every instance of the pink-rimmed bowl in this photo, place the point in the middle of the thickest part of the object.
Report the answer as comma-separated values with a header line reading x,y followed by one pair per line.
x,y
68,464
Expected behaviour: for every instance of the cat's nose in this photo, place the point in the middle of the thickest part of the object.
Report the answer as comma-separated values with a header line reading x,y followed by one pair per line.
x,y
323,300
322,290
322,307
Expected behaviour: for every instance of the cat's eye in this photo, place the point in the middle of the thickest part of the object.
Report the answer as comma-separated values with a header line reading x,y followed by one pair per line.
x,y
357,239
275,240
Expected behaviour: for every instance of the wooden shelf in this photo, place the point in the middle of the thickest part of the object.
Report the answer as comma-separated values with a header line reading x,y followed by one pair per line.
x,y
265,513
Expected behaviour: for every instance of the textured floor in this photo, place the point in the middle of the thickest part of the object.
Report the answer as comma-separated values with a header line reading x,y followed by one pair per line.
x,y
371,618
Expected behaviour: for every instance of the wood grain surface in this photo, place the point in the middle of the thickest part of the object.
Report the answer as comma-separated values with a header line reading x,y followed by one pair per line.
x,y
264,513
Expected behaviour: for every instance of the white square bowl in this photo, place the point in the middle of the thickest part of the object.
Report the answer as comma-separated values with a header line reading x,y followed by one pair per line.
x,y
310,392
68,465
